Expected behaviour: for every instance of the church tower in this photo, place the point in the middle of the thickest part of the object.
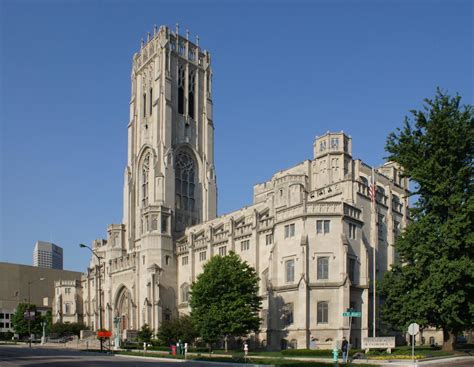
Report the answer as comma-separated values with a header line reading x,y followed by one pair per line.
x,y
170,180
170,177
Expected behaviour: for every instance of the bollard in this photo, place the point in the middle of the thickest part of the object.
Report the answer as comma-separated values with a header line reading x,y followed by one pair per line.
x,y
335,354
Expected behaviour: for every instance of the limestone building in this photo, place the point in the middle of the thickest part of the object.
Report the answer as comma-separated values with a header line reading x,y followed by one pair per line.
x,y
68,303
310,231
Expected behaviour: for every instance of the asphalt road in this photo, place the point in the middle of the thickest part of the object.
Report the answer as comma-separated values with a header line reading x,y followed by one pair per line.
x,y
11,356
21,355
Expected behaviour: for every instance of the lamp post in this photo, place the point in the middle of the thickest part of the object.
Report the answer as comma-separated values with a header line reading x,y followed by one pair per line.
x,y
100,289
29,312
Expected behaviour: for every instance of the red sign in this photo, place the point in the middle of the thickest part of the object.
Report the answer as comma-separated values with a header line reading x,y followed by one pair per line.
x,y
104,334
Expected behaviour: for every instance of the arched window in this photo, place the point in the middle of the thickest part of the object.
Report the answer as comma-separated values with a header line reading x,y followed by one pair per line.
x,y
191,85
145,173
184,292
185,172
181,73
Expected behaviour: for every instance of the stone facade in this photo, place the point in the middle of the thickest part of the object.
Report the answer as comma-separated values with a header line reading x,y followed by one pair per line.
x,y
310,232
308,235
67,306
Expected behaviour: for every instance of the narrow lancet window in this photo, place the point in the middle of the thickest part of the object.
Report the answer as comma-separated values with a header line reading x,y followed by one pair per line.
x,y
191,88
181,73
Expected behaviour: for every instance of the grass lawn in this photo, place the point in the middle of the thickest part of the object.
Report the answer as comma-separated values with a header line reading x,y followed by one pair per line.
x,y
240,359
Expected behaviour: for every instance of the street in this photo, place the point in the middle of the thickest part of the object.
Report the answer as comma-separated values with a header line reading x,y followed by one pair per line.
x,y
38,356
21,355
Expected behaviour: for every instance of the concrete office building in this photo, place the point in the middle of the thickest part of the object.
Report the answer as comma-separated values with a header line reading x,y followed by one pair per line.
x,y
47,255
18,282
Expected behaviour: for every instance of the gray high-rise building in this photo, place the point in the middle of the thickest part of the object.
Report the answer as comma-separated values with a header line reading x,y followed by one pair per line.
x,y
48,255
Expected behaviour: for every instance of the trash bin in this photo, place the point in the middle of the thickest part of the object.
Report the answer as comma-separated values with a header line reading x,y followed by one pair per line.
x,y
173,350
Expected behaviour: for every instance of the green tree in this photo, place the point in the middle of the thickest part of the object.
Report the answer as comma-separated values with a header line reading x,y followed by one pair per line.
x,y
20,324
181,328
145,334
224,299
433,284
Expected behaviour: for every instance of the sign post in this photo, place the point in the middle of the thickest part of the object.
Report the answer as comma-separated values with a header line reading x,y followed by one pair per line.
x,y
413,329
350,313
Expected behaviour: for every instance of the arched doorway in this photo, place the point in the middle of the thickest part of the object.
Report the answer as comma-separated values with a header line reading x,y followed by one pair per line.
x,y
123,308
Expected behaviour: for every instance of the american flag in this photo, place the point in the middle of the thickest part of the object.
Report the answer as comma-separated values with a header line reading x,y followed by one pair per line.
x,y
372,187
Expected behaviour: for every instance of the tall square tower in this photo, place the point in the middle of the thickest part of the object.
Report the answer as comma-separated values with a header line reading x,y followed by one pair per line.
x,y
48,255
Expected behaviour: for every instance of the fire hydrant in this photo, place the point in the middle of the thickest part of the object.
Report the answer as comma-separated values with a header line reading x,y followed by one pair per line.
x,y
335,354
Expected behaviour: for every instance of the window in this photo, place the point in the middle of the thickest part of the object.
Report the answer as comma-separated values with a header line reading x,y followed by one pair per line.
x,y
287,314
352,230
222,251
2,325
2,316
181,73
396,229
184,183
322,146
167,259
184,260
144,104
143,260
268,239
245,245
380,224
289,230
67,290
323,226
323,268
334,143
151,101
191,94
202,256
352,264
290,270
145,170
185,292
7,316
164,224
67,308
322,314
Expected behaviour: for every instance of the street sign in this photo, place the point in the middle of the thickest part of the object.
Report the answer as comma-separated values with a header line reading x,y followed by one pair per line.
x,y
413,329
352,314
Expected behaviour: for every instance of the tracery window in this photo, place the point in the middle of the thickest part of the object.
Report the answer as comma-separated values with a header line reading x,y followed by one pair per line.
x,y
145,172
185,182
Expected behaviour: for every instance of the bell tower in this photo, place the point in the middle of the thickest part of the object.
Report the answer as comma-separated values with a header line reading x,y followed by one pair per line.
x,y
170,180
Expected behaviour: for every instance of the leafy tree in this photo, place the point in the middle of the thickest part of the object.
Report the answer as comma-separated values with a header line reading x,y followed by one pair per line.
x,y
224,299
145,334
433,284
177,329
20,324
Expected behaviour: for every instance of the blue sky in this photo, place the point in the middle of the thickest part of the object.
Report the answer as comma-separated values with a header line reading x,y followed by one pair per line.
x,y
283,73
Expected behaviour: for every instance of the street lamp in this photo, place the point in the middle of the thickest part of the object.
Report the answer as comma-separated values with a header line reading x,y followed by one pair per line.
x,y
81,245
29,312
